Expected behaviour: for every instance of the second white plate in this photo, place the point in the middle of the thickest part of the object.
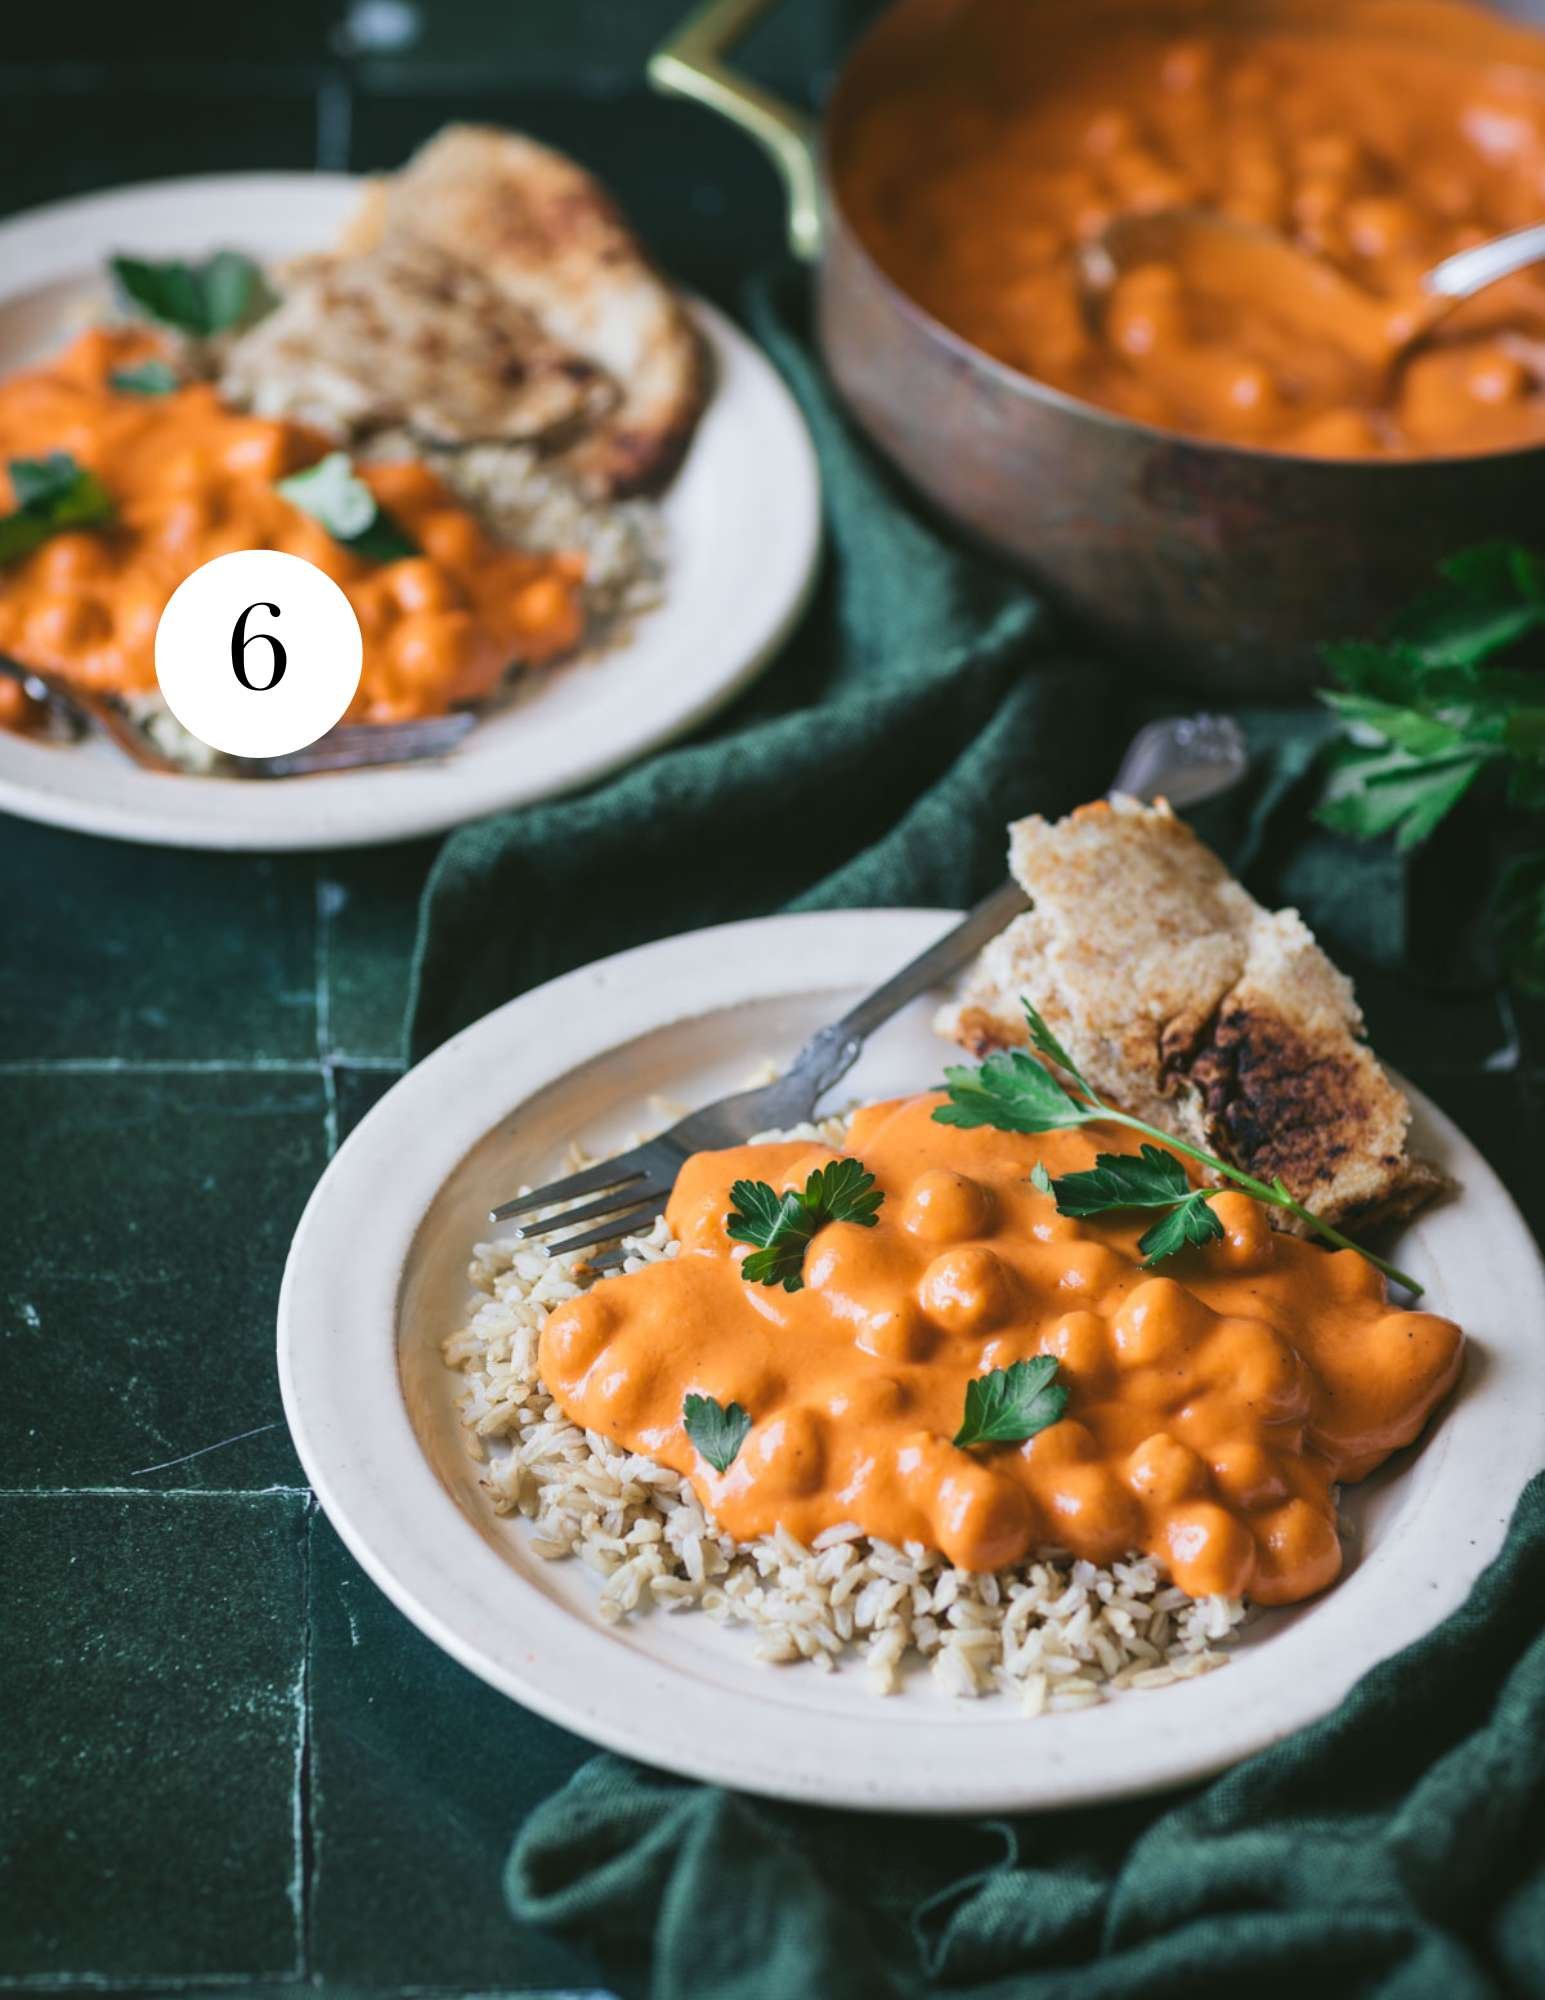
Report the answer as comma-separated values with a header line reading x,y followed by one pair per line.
x,y
743,541
377,1277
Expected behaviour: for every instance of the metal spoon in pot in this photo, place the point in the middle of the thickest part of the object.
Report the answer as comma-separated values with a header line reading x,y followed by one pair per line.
x,y
1240,262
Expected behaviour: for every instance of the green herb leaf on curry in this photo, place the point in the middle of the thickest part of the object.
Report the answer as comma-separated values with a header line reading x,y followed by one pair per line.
x,y
716,1432
843,1191
1012,1404
332,492
1146,1179
224,291
53,495
1012,1092
779,1231
146,378
780,1226
1189,1224
1149,1178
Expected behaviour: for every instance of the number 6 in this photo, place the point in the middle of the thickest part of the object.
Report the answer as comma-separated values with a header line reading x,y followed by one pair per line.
x,y
241,639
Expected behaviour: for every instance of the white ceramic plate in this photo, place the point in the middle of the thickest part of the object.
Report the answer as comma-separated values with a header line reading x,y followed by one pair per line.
x,y
377,1276
743,539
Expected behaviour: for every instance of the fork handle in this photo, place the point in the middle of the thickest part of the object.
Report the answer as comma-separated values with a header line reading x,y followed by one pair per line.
x,y
938,962
832,1051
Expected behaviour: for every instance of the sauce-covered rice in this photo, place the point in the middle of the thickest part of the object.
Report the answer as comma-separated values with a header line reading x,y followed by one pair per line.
x,y
1053,1631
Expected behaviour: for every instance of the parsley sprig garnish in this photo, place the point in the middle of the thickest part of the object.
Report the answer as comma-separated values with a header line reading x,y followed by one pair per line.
x,y
1432,714
717,1432
781,1225
332,492
1016,1093
53,495
1012,1404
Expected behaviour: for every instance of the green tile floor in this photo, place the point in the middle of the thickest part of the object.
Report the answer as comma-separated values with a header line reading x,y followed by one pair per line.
x,y
228,1762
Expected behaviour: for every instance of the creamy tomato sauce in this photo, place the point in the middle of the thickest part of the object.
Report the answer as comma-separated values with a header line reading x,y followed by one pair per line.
x,y
1214,1403
1378,140
192,480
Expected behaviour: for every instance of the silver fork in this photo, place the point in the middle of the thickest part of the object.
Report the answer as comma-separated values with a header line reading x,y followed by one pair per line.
x,y
1185,760
350,747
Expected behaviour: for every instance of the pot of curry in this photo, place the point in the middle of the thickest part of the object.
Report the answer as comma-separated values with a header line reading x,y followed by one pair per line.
x,y
1180,468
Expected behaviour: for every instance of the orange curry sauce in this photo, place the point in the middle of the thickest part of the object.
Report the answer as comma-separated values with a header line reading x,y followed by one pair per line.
x,y
192,480
1379,138
1214,1403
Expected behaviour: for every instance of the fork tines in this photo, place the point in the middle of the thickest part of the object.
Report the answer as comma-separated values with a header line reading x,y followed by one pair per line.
x,y
629,1223
630,1202
609,1174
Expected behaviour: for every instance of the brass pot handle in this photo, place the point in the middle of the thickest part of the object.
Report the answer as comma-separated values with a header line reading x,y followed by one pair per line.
x,y
690,64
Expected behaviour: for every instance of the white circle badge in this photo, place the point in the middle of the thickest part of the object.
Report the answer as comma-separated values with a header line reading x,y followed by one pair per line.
x,y
258,653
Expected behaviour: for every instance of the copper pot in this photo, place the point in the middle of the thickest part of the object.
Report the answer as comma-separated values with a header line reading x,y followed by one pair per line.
x,y
1227,566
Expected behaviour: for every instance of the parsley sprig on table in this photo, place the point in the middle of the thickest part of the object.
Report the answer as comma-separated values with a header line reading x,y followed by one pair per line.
x,y
53,495
1012,1404
781,1225
717,1432
1434,713
1016,1093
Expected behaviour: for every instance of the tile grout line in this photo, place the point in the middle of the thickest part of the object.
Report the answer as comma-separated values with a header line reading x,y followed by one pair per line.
x,y
329,1108
149,1983
153,1493
154,1985
334,122
303,1884
322,967
114,1065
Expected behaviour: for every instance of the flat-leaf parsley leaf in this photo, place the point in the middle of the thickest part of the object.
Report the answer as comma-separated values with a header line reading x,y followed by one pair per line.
x,y
1012,1091
53,494
332,492
1146,1179
1434,713
717,1432
1012,1404
780,1226
225,291
145,378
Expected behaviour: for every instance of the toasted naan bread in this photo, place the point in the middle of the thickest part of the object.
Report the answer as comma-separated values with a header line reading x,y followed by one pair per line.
x,y
550,241
405,336
1187,1004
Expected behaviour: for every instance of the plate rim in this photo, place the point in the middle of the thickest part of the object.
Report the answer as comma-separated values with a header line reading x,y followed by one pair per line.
x,y
638,992
368,810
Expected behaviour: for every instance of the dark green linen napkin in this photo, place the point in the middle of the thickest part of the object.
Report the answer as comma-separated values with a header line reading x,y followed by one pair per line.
x,y
924,702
